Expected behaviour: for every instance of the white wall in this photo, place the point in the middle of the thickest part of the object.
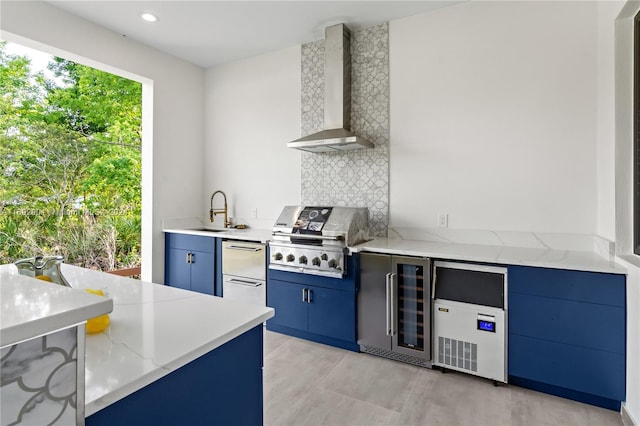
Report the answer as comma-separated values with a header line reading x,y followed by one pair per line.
x,y
624,129
605,150
252,111
173,146
493,117
624,196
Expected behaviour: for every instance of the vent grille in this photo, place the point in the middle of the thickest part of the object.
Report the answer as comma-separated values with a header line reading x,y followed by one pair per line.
x,y
457,353
396,356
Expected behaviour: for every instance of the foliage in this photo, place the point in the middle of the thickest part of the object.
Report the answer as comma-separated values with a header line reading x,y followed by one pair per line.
x,y
70,164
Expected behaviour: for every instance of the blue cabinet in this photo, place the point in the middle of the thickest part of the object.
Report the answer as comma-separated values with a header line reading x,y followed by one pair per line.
x,y
222,387
567,333
332,313
316,308
190,262
290,304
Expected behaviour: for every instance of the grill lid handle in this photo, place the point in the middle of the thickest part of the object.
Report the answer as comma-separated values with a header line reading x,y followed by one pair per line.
x,y
307,236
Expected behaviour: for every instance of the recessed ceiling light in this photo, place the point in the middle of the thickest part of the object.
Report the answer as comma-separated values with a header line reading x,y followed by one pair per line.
x,y
149,17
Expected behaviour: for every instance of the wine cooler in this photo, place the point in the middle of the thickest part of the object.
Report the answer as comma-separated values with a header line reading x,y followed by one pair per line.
x,y
394,307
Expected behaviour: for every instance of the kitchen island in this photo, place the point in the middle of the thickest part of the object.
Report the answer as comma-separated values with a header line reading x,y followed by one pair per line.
x,y
42,350
171,356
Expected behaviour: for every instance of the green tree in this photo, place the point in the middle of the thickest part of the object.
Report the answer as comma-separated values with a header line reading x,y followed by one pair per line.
x,y
70,164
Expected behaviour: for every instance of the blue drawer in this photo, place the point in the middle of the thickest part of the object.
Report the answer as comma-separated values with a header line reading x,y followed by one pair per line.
x,y
592,287
191,242
576,323
585,370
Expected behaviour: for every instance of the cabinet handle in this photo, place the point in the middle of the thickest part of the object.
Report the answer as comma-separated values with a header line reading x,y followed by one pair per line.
x,y
309,293
244,248
189,258
192,258
304,294
245,282
387,283
393,302
308,237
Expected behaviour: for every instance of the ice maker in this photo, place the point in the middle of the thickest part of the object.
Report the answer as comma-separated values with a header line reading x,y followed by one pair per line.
x,y
470,319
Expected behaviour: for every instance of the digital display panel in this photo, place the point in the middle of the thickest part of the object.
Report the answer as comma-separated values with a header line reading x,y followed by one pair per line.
x,y
487,326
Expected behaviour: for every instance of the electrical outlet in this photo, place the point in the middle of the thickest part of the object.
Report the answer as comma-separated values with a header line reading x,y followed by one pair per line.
x,y
443,220
254,212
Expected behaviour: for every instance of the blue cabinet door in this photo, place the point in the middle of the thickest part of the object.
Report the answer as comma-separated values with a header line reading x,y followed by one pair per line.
x,y
594,372
584,325
286,299
190,262
177,270
327,315
202,272
567,333
332,313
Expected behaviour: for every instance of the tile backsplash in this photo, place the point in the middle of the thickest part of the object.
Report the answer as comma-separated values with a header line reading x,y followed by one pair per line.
x,y
354,178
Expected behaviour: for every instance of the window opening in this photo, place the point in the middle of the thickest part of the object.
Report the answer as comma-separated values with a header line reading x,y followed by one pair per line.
x,y
70,162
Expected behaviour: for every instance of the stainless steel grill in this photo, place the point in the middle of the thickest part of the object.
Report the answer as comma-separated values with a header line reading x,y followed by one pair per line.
x,y
314,239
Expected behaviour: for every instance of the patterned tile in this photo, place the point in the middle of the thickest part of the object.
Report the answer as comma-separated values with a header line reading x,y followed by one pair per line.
x,y
355,178
39,380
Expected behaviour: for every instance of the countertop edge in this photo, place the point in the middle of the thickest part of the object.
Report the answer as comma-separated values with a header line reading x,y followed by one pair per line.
x,y
82,306
43,326
248,234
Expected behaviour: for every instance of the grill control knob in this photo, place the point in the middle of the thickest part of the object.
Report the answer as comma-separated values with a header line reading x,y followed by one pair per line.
x,y
277,256
302,259
315,261
324,256
333,263
290,258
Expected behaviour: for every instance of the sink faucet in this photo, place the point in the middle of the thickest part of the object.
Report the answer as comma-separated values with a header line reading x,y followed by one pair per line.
x,y
212,212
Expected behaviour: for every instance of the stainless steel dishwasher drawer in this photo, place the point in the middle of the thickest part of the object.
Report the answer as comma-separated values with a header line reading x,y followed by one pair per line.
x,y
245,290
244,259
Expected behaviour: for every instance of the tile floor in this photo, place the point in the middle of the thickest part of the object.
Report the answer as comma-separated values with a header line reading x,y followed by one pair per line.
x,y
306,383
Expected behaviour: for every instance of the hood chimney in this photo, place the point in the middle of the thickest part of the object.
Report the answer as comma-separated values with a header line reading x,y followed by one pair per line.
x,y
337,135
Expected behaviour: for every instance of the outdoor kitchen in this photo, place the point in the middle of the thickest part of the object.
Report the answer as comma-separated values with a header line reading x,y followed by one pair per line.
x,y
356,226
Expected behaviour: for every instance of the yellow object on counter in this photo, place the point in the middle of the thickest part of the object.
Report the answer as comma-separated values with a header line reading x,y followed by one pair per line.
x,y
97,324
44,278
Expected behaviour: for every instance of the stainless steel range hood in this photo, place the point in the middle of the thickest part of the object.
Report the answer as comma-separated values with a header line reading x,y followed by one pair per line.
x,y
337,135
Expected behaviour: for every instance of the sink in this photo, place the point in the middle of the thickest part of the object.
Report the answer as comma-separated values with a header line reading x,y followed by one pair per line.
x,y
208,229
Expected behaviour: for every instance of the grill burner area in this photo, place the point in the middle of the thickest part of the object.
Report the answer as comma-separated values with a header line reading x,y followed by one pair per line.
x,y
314,240
307,259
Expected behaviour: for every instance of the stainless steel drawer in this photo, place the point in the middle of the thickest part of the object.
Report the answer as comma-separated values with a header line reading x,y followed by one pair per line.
x,y
244,259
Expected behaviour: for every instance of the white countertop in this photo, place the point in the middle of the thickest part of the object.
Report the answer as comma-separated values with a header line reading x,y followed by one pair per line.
x,y
32,307
524,256
154,329
248,234
559,251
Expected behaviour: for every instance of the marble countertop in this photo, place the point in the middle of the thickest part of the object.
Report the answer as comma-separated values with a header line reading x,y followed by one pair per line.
x,y
248,234
154,330
32,307
524,256
559,251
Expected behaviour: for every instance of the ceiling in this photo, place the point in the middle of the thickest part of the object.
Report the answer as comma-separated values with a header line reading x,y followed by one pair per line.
x,y
209,33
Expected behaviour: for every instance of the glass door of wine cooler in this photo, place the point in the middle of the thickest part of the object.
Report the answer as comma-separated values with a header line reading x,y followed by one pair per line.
x,y
410,282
